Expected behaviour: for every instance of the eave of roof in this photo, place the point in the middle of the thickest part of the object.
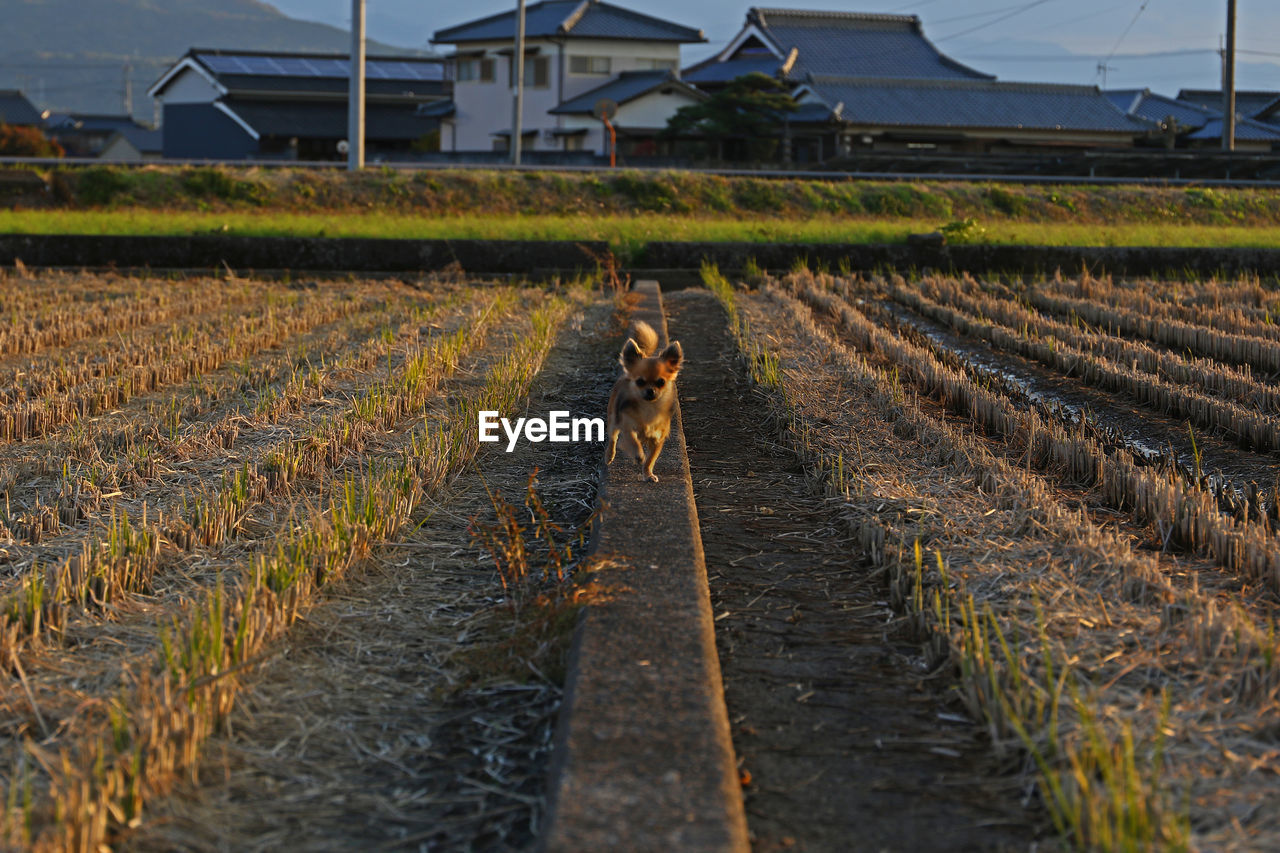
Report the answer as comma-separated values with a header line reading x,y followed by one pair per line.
x,y
326,119
625,87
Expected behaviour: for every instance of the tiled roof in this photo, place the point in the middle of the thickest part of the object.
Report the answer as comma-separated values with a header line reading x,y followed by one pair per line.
x,y
1148,106
328,119
723,72
850,44
16,109
1203,121
1249,102
145,140
1246,129
571,18
626,86
971,104
89,122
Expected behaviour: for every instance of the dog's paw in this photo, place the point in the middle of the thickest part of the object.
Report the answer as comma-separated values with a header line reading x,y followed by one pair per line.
x,y
652,478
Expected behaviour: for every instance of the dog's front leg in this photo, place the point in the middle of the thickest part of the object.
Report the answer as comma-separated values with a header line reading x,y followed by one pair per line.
x,y
655,447
637,448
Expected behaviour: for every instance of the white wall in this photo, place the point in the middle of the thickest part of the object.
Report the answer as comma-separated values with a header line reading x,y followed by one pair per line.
x,y
625,56
483,108
189,87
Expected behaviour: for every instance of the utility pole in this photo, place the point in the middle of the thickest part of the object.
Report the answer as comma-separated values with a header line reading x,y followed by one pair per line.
x,y
1229,82
128,88
517,78
355,97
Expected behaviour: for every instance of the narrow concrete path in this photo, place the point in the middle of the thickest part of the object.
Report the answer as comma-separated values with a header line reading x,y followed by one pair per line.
x,y
835,723
643,760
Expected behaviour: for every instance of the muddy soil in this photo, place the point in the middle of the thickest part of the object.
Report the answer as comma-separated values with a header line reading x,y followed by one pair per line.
x,y
1146,432
844,742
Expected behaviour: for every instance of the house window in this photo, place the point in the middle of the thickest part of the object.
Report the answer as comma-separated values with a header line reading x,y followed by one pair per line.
x,y
590,65
574,143
475,70
657,64
537,72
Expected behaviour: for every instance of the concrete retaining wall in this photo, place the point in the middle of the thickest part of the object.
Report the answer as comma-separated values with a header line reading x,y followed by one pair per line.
x,y
299,253
532,257
1026,260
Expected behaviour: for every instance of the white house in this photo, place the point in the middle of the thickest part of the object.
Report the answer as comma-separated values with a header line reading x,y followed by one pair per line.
x,y
577,53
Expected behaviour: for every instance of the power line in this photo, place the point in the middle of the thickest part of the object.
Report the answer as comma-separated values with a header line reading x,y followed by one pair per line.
x,y
934,22
911,6
1018,11
1091,57
1133,21
1053,25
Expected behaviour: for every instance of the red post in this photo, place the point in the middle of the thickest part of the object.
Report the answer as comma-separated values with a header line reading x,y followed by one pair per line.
x,y
613,142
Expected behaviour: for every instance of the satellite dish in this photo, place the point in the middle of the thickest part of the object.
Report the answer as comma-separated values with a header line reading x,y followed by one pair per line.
x,y
343,146
605,108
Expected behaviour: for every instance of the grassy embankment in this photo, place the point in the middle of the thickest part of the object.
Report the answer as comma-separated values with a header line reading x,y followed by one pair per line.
x,y
630,208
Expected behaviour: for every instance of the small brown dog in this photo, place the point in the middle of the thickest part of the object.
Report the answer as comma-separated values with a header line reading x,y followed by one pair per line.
x,y
644,398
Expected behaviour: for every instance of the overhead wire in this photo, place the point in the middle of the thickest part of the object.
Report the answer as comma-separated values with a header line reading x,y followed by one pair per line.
x,y
936,21
1141,8
1017,11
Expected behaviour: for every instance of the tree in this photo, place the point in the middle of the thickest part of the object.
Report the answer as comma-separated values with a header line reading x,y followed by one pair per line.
x,y
741,121
19,141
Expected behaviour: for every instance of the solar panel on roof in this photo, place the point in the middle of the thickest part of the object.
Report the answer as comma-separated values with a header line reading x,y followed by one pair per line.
x,y
332,67
220,64
301,66
293,66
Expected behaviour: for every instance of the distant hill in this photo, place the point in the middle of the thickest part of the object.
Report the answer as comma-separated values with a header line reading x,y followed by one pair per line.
x,y
71,55
403,22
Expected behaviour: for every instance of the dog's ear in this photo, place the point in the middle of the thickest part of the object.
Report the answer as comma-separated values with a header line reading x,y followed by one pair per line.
x,y
672,356
630,354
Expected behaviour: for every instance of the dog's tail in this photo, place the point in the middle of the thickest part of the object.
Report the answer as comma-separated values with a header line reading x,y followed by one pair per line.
x,y
646,338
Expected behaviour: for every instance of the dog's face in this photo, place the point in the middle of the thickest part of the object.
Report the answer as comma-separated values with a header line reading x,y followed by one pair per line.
x,y
652,377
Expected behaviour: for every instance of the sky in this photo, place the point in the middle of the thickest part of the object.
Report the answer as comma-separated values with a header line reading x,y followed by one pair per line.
x,y
1061,41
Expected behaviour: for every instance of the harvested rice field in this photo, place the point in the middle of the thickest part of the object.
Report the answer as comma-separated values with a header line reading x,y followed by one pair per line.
x,y
992,562
241,507
1069,490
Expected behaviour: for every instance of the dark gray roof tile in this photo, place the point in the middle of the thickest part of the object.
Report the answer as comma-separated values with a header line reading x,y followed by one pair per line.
x,y
1246,129
972,104
570,18
723,72
626,86
851,44
1249,102
16,109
